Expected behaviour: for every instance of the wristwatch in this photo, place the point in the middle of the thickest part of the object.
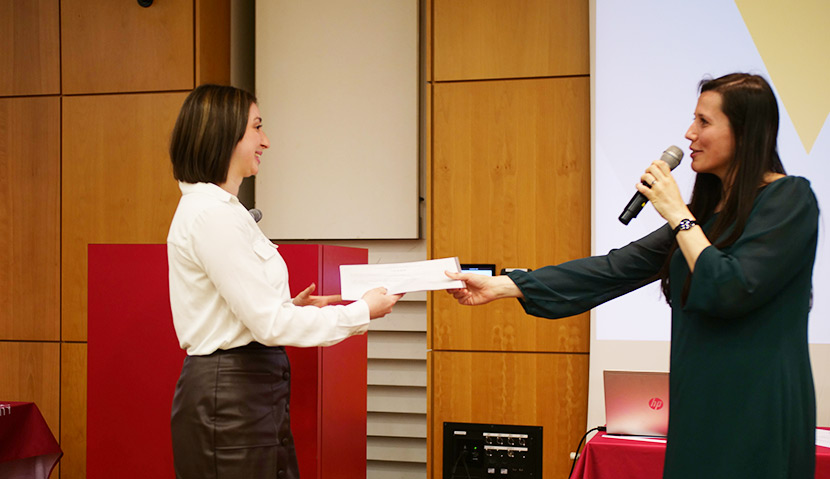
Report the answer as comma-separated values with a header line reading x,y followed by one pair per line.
x,y
685,224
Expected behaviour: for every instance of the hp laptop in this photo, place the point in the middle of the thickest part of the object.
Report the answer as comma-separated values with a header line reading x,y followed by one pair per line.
x,y
636,402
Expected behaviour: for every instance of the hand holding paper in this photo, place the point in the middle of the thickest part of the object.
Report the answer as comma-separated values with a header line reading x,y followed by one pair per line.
x,y
356,279
380,302
479,289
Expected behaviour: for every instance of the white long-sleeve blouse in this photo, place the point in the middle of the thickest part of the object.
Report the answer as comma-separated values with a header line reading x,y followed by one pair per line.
x,y
229,284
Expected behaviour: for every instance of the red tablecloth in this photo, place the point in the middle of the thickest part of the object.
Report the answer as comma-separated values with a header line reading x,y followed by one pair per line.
x,y
614,458
27,447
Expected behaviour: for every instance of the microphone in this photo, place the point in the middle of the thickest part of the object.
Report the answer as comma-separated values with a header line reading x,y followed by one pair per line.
x,y
672,156
257,215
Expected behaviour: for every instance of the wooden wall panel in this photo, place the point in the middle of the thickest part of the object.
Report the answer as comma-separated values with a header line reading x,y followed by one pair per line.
x,y
73,409
29,218
539,389
426,39
30,56
109,46
30,372
117,184
80,169
510,184
431,430
479,39
213,46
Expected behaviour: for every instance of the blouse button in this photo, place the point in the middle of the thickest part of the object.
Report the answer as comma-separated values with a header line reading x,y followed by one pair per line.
x,y
285,375
280,473
285,441
286,407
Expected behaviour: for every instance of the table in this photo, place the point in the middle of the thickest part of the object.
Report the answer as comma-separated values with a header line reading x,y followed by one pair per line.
x,y
27,447
607,457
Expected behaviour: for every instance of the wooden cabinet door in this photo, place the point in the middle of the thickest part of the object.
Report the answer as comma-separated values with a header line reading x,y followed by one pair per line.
x,y
30,53
29,216
531,389
73,410
119,46
117,184
510,185
30,372
487,39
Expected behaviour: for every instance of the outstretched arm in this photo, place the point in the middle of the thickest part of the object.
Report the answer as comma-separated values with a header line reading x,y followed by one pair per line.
x,y
305,298
480,289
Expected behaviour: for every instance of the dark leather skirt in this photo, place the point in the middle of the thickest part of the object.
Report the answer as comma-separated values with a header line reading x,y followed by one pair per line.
x,y
230,416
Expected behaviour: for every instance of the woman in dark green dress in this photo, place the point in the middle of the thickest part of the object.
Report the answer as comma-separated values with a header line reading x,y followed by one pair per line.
x,y
736,266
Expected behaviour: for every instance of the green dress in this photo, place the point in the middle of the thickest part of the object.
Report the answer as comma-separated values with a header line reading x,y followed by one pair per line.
x,y
741,398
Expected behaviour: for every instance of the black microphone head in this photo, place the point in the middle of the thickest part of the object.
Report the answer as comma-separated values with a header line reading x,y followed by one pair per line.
x,y
255,214
672,156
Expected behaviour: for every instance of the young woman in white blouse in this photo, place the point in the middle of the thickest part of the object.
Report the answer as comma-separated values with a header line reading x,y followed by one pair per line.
x,y
231,305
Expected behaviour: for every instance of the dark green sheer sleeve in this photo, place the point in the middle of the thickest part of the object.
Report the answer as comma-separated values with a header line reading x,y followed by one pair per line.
x,y
579,285
774,246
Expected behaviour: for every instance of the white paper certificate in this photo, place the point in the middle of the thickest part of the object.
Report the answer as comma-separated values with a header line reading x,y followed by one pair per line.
x,y
356,279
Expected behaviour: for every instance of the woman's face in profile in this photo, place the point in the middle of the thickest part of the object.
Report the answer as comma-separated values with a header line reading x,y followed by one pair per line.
x,y
246,154
713,143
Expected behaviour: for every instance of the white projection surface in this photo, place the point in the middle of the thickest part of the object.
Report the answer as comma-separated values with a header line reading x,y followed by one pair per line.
x,y
649,58
337,82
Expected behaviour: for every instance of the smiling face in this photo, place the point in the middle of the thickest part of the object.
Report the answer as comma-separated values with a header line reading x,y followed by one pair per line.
x,y
712,140
246,154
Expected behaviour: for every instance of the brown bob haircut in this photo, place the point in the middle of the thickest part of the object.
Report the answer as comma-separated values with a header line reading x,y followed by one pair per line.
x,y
211,122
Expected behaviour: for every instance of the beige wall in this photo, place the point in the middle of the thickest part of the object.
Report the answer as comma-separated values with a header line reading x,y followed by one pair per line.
x,y
337,83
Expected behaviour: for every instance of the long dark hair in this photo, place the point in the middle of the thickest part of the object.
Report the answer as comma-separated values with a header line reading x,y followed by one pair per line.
x,y
750,105
211,122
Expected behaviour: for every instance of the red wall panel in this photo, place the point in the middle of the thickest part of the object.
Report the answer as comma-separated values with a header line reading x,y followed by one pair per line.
x,y
134,363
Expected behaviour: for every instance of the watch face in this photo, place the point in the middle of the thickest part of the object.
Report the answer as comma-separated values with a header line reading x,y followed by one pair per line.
x,y
685,224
